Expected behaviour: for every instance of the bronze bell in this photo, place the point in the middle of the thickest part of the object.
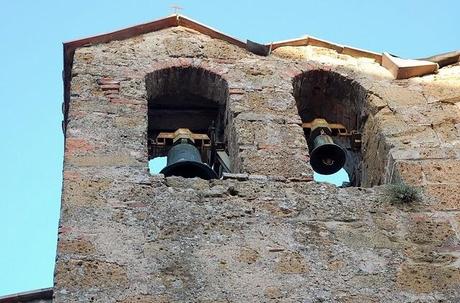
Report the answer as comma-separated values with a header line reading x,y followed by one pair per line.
x,y
326,157
184,160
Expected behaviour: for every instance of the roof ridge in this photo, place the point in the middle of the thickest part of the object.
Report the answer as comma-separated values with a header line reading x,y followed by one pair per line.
x,y
400,69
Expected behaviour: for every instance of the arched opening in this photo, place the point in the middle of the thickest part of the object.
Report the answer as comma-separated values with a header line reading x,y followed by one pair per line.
x,y
340,178
156,164
187,105
339,101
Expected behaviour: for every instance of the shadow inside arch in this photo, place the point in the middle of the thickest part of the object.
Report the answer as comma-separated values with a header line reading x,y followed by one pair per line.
x,y
338,99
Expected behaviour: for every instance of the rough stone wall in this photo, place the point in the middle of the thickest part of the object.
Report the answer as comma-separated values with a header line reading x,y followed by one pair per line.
x,y
268,234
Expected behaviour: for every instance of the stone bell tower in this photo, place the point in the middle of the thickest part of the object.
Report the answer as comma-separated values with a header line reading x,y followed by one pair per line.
x,y
256,227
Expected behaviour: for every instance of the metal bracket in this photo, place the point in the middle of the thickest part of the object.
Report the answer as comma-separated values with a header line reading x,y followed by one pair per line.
x,y
334,130
224,161
168,138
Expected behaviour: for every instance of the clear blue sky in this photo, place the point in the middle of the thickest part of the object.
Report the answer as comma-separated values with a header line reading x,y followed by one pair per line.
x,y
31,34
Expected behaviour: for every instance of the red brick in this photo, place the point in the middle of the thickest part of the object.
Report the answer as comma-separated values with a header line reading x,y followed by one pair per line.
x,y
269,146
225,61
75,145
292,72
118,100
111,92
107,81
71,175
64,229
113,96
236,91
110,87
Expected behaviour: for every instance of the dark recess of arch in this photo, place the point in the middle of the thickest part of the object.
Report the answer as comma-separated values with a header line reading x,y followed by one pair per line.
x,y
338,99
185,97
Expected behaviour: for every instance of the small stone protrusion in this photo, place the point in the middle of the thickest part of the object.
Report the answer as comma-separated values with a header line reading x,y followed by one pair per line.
x,y
239,177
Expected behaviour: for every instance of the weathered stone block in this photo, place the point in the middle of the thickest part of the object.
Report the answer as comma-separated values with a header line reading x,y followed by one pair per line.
x,y
409,172
78,247
445,196
276,160
82,192
427,231
291,263
397,96
430,254
248,255
81,275
102,160
441,171
426,278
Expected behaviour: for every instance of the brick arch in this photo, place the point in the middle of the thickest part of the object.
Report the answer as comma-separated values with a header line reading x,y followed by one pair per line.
x,y
187,79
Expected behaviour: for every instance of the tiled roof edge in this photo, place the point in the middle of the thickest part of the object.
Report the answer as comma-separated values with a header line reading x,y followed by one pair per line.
x,y
43,294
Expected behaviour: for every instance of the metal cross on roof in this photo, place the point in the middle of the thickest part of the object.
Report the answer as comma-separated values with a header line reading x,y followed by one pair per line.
x,y
176,8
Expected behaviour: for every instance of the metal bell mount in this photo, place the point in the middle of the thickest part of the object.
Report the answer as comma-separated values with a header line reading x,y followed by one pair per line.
x,y
184,159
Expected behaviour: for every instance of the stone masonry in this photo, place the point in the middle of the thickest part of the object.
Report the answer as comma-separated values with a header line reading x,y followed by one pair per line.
x,y
266,232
